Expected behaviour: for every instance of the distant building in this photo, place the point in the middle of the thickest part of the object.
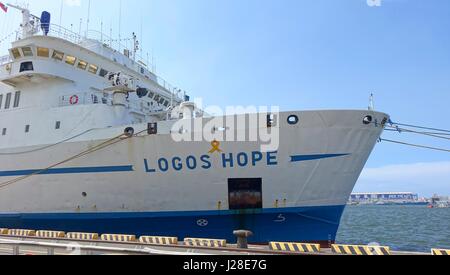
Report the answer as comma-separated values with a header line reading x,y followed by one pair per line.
x,y
384,197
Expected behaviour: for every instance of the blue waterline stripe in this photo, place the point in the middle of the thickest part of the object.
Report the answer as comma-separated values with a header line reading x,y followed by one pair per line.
x,y
76,170
203,213
300,158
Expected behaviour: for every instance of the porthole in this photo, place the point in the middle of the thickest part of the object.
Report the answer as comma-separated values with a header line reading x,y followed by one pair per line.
x,y
367,120
293,120
129,132
84,194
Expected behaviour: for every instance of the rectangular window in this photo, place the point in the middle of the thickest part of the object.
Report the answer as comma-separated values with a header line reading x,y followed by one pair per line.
x,y
103,72
245,194
26,66
16,99
161,101
27,51
71,60
8,101
82,65
93,69
27,128
4,132
58,55
58,125
43,52
16,53
1,101
151,95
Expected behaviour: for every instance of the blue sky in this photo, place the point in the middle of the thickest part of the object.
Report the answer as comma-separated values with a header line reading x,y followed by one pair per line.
x,y
301,54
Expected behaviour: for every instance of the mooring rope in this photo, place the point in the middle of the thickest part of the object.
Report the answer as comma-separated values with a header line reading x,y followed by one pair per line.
x,y
416,145
47,146
96,148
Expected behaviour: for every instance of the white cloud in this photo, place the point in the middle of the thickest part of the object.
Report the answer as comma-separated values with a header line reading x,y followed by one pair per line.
x,y
73,3
423,178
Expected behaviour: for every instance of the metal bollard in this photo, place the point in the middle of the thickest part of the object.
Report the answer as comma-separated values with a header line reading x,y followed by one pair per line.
x,y
242,238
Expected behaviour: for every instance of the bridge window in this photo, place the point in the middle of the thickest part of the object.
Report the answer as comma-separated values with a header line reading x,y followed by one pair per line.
x,y
26,66
103,72
16,99
71,60
93,69
1,101
8,101
151,95
16,53
58,55
27,51
82,65
43,52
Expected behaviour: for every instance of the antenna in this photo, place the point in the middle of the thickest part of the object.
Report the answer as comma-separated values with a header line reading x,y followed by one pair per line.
x,y
101,30
61,12
88,18
120,23
81,23
110,35
142,37
135,46
371,103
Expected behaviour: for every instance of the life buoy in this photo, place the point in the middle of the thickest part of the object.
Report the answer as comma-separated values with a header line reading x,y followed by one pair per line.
x,y
74,100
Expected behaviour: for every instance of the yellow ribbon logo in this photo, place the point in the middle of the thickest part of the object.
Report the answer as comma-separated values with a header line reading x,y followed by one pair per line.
x,y
215,147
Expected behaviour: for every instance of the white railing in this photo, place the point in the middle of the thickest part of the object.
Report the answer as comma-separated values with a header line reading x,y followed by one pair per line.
x,y
118,46
5,60
115,44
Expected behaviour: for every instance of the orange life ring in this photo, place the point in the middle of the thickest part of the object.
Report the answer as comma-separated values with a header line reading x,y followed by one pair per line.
x,y
74,100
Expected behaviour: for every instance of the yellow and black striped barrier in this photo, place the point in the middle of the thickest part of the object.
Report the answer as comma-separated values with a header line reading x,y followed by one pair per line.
x,y
82,236
295,247
360,250
205,242
118,238
159,240
50,234
21,233
3,231
440,252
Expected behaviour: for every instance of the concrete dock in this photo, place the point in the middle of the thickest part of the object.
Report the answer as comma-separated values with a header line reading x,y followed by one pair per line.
x,y
26,242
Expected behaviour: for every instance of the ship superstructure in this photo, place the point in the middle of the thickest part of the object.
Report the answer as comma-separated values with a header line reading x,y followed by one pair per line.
x,y
87,145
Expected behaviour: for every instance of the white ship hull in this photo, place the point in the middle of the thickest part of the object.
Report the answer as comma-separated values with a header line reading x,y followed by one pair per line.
x,y
151,185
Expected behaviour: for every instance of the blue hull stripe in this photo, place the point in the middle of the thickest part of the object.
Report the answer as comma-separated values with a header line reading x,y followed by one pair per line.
x,y
282,224
300,158
76,170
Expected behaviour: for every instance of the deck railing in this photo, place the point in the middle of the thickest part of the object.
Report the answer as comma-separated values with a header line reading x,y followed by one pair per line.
x,y
114,44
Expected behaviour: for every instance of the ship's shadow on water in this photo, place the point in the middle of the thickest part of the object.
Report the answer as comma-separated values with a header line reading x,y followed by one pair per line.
x,y
403,228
